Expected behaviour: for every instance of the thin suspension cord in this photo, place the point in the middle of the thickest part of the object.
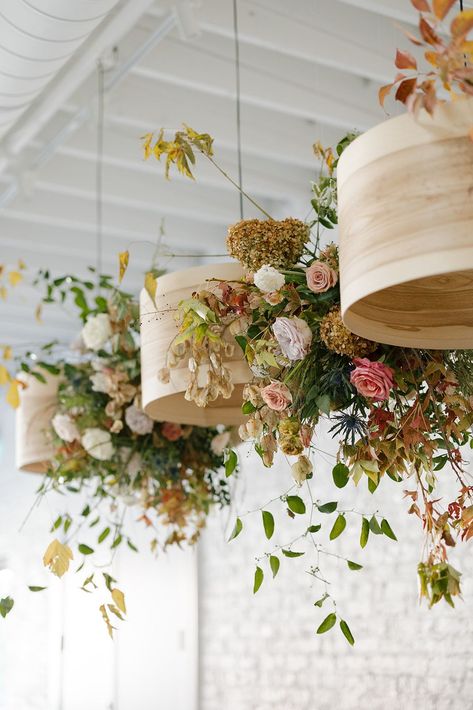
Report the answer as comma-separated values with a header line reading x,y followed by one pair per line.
x,y
238,102
99,168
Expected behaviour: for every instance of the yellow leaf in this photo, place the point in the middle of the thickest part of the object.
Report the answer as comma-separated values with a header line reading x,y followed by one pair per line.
x,y
115,611
147,140
21,265
3,293
4,375
57,557
150,286
119,599
110,628
7,352
14,277
13,396
123,259
38,313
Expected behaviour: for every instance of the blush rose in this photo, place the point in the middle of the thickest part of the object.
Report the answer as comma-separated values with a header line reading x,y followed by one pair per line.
x,y
373,380
276,396
320,277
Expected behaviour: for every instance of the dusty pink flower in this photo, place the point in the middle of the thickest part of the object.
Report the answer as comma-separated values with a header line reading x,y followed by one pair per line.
x,y
373,380
171,431
276,396
294,337
306,432
320,277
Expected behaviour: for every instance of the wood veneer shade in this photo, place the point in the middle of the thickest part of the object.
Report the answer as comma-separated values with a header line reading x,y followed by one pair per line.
x,y
38,402
405,193
165,402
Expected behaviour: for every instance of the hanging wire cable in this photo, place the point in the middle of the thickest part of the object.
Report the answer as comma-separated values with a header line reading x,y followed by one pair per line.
x,y
238,102
99,168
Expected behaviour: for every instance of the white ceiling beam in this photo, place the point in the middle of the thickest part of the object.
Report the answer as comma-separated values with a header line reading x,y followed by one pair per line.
x,y
70,220
329,33
270,80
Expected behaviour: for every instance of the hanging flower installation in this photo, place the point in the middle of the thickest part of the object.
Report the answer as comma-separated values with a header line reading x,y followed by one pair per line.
x,y
104,446
406,215
399,412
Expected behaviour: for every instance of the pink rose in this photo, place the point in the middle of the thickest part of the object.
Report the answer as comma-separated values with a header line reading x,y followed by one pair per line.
x,y
373,380
171,431
276,396
294,337
320,277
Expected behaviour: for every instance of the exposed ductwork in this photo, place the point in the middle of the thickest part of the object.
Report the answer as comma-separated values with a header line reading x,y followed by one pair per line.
x,y
37,37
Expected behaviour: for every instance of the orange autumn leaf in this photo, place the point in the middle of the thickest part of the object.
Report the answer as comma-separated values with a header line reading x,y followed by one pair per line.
x,y
405,89
462,24
421,5
428,33
123,259
405,60
14,277
432,58
442,7
13,396
384,92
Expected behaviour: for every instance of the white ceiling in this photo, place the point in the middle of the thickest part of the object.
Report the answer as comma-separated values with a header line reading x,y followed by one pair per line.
x,y
310,70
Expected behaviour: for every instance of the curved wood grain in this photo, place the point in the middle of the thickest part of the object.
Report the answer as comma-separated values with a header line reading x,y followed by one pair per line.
x,y
38,402
405,191
165,402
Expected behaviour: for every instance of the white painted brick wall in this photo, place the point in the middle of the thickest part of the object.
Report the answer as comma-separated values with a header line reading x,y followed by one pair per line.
x,y
261,652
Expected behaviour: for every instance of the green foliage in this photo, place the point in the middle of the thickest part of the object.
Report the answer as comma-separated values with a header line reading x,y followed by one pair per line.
x,y
365,532
6,605
338,527
346,632
386,529
258,580
328,507
296,504
274,563
238,527
268,523
354,565
291,553
230,463
340,474
327,624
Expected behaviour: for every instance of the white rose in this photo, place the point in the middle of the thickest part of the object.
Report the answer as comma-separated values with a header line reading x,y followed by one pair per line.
x,y
220,442
294,337
65,427
96,331
268,279
100,382
98,444
138,421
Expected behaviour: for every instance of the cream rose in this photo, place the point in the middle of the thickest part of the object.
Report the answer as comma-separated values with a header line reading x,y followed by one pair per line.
x,y
320,277
96,331
98,444
294,337
268,279
220,442
301,469
65,427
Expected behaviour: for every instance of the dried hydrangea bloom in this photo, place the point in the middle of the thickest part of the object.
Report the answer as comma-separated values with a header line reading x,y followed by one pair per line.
x,y
339,339
256,243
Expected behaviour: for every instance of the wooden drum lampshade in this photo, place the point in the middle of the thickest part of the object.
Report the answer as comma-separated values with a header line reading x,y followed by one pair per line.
x,y
165,402
38,402
405,193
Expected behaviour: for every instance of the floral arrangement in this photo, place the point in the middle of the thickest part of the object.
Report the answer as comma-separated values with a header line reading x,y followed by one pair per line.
x,y
165,475
448,54
396,412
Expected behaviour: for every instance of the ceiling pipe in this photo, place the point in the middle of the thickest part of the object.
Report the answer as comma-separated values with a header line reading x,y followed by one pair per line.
x,y
68,80
83,114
